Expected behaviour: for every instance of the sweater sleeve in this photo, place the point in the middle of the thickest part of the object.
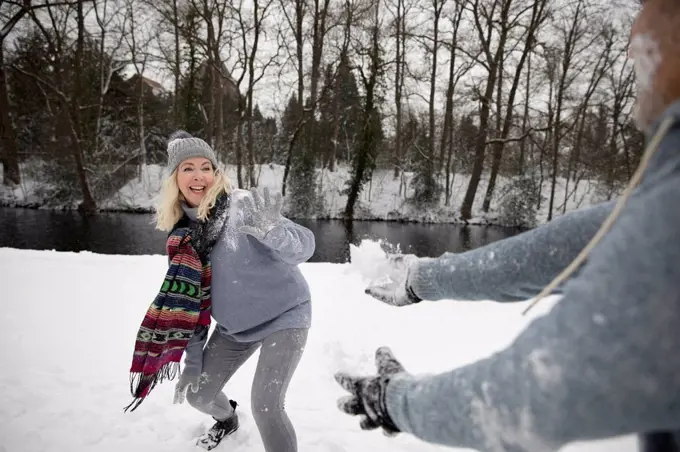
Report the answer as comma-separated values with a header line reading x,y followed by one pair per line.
x,y
193,354
603,362
513,269
291,242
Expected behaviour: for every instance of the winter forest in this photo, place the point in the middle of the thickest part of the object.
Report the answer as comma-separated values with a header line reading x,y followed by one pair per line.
x,y
467,107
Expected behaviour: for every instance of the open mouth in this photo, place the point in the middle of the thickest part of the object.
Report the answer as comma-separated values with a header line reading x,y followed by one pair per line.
x,y
197,189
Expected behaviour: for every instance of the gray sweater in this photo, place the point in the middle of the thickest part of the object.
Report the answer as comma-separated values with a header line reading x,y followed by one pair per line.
x,y
257,288
603,362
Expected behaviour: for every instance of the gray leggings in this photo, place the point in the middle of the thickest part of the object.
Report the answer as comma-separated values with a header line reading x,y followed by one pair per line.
x,y
279,356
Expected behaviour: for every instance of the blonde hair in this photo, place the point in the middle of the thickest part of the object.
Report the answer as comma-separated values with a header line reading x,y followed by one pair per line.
x,y
169,208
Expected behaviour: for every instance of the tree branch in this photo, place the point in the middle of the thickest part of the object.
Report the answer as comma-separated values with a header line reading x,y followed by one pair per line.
x,y
515,139
40,80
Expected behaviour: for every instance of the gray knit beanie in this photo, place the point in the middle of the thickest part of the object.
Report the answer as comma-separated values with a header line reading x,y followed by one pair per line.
x,y
182,146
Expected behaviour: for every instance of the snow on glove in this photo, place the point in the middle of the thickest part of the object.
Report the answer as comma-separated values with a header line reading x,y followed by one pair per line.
x,y
396,291
368,393
262,215
185,382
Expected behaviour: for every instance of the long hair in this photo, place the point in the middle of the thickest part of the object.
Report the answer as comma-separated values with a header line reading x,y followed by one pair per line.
x,y
169,207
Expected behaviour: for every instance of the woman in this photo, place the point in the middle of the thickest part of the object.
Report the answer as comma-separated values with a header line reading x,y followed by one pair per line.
x,y
250,284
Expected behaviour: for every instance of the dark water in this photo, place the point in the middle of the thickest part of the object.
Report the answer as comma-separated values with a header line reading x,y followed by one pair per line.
x,y
130,233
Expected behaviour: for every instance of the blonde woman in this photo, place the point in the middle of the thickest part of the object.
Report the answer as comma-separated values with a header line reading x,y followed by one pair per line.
x,y
256,293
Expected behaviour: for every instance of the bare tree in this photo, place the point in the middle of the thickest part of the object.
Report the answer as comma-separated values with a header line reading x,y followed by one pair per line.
x,y
525,117
138,39
169,22
620,79
457,69
214,16
251,63
602,62
12,13
400,14
485,16
68,94
342,68
370,130
296,25
538,16
104,19
574,31
437,8
319,34
303,168
10,156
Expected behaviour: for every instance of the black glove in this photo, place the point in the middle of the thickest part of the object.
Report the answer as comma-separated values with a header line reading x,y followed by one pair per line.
x,y
368,393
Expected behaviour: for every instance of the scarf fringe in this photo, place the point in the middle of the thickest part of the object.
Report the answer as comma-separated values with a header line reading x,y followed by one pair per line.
x,y
141,385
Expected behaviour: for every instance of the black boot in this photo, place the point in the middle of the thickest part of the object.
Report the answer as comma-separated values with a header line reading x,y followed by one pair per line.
x,y
660,442
219,430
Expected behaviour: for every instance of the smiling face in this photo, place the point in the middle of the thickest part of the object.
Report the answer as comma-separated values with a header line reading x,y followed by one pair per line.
x,y
195,176
654,50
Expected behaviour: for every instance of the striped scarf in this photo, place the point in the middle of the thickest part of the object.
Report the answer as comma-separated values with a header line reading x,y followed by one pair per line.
x,y
182,306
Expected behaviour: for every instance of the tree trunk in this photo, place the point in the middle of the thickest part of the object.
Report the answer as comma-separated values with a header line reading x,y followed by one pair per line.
x,y
10,157
398,86
367,139
437,5
447,133
289,157
332,152
250,140
176,67
498,146
537,17
299,47
450,171
251,87
140,121
211,72
568,53
88,205
480,144
557,137
239,151
574,155
522,145
311,151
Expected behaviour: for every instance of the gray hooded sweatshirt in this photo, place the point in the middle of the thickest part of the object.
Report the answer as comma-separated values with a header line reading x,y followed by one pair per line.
x,y
257,288
605,361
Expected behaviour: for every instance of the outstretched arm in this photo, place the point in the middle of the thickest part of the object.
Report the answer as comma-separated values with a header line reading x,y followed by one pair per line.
x,y
513,269
603,362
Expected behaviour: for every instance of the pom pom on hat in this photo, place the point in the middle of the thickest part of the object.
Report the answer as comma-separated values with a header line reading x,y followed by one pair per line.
x,y
178,135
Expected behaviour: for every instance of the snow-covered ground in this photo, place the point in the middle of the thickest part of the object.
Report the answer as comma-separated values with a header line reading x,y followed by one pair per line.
x,y
68,326
379,200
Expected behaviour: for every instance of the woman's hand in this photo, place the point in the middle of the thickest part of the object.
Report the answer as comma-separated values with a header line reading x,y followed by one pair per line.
x,y
185,382
261,215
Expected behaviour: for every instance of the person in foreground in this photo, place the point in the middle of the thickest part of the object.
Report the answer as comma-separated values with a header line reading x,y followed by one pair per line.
x,y
604,361
234,258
